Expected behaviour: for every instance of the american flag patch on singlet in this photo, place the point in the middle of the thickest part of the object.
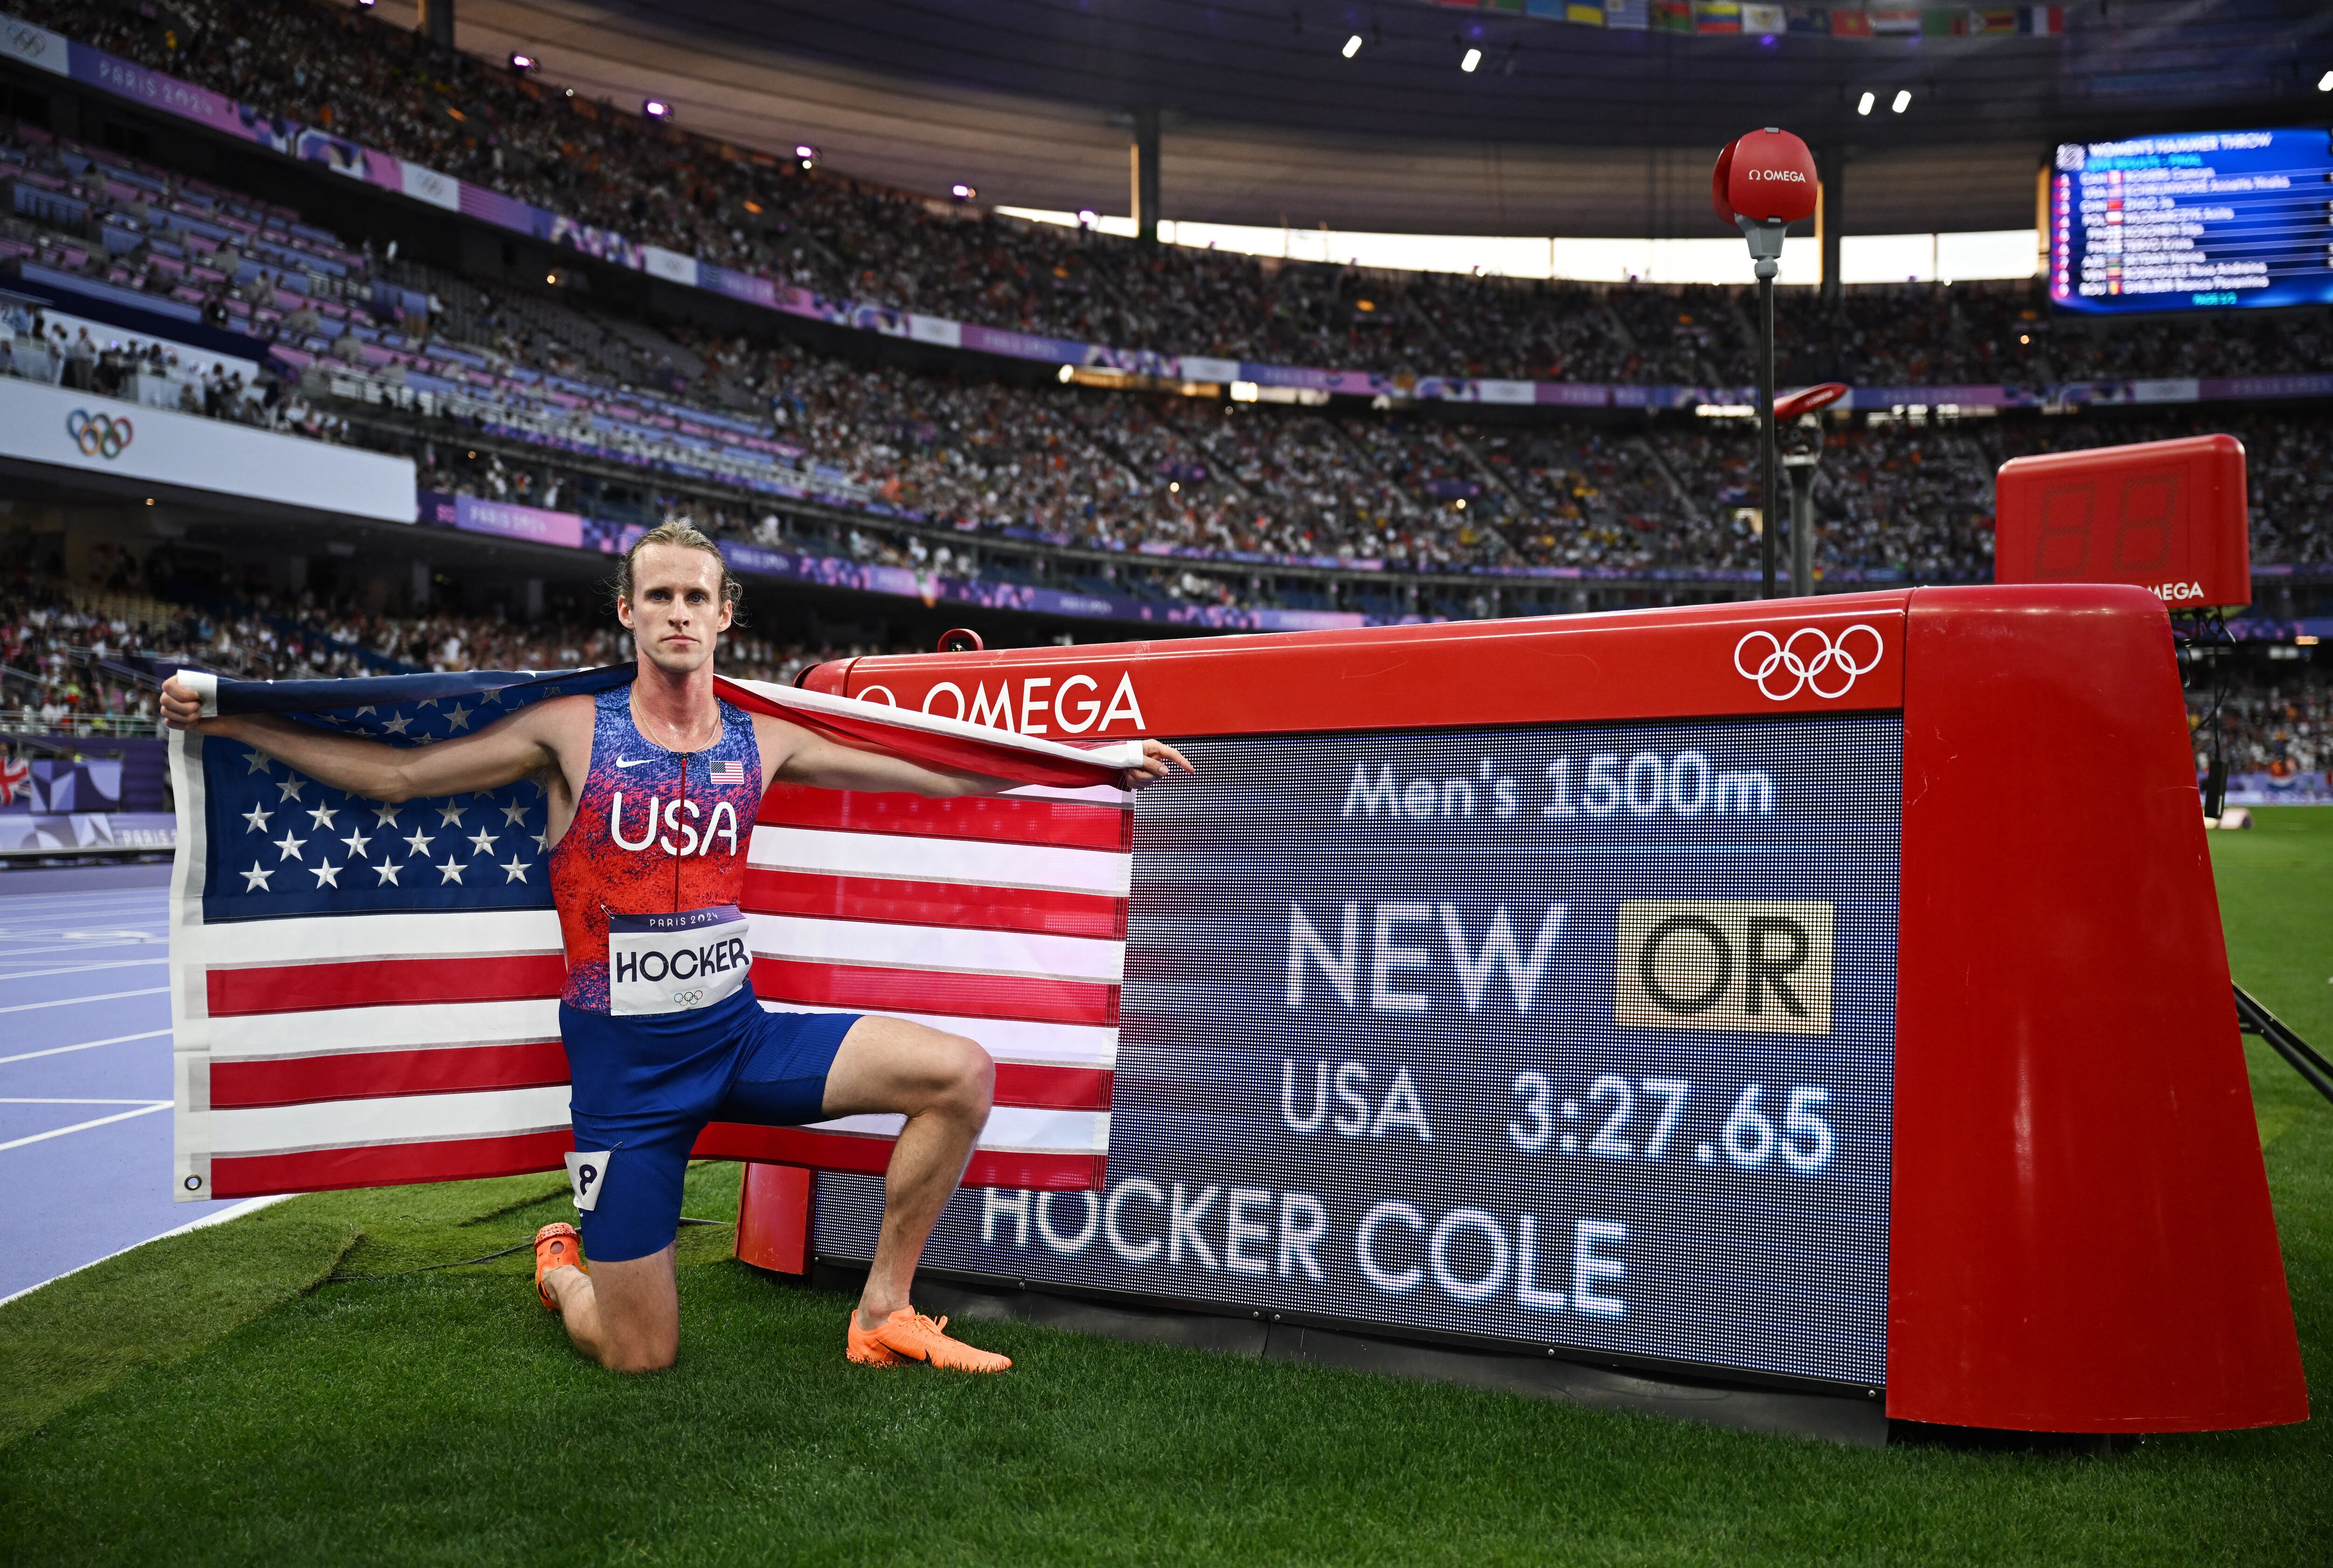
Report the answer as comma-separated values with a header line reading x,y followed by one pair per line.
x,y
730,772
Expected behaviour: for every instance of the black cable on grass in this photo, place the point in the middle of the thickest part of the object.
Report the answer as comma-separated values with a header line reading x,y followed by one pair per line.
x,y
466,1262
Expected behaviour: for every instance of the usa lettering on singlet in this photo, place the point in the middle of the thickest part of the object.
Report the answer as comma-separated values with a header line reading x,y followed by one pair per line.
x,y
648,876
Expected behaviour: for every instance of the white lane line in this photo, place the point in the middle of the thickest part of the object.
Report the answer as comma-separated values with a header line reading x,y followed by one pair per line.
x,y
53,908
139,941
102,997
45,1100
78,968
146,1110
51,1100
84,1045
233,1212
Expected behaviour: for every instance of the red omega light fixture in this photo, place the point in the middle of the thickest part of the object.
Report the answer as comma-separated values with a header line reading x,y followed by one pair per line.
x,y
1764,183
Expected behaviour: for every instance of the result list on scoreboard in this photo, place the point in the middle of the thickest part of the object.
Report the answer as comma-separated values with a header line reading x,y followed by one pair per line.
x,y
2203,220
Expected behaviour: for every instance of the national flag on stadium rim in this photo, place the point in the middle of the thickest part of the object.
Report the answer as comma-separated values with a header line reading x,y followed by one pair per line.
x,y
365,994
14,776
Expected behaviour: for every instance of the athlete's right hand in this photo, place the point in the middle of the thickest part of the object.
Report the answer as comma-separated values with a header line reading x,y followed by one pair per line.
x,y
182,708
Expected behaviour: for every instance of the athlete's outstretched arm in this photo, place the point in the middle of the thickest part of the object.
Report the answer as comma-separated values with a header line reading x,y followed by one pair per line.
x,y
503,752
808,759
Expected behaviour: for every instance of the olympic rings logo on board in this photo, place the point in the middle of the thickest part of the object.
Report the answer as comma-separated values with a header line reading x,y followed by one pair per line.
x,y
1807,660
99,435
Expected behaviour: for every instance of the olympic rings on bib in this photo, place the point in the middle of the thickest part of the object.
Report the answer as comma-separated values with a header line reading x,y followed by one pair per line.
x,y
694,997
1806,660
99,435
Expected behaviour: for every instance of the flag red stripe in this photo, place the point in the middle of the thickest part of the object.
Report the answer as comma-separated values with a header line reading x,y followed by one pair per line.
x,y
842,1152
945,904
378,1075
301,988
870,989
522,1153
1054,1088
995,819
956,753
389,1164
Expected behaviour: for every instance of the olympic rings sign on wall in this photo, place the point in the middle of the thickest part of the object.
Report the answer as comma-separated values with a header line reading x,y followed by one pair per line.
x,y
1808,659
98,434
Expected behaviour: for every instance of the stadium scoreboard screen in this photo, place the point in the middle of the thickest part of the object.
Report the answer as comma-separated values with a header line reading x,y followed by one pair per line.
x,y
1708,987
1572,1036
2196,220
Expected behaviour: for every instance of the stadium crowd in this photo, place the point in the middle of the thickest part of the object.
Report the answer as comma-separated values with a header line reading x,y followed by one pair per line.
x,y
86,658
340,70
2276,718
497,393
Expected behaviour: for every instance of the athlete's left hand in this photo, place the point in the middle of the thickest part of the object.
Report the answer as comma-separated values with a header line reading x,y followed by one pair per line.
x,y
1157,759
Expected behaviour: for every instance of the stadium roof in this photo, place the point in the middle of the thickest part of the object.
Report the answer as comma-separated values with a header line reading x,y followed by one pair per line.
x,y
1562,129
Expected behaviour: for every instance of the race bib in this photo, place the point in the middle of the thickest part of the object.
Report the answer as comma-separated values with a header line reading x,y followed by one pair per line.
x,y
675,963
587,1173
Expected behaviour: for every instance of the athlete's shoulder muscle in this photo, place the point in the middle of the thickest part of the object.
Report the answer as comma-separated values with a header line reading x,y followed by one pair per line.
x,y
563,726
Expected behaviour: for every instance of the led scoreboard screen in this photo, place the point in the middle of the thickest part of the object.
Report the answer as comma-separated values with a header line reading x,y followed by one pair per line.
x,y
2194,220
1577,1036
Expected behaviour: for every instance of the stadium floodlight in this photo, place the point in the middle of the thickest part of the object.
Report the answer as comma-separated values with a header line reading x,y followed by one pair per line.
x,y
1903,100
805,151
1863,105
1474,58
1352,45
522,61
1069,374
656,109
962,192
2325,82
1088,217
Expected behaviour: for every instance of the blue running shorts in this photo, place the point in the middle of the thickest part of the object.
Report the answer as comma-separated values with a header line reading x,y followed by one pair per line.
x,y
644,1085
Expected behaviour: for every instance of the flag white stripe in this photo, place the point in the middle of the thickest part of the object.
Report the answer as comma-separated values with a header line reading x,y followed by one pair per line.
x,y
1010,1128
1017,1040
1099,795
395,1119
935,947
969,861
418,1027
500,1113
420,934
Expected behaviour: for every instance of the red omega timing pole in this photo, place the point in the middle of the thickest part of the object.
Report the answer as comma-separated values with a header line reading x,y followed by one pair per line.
x,y
1764,182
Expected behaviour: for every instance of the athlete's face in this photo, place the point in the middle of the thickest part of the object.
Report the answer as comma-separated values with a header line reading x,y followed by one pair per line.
x,y
676,609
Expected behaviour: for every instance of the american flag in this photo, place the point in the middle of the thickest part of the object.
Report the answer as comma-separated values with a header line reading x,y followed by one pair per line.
x,y
1000,917
366,994
732,771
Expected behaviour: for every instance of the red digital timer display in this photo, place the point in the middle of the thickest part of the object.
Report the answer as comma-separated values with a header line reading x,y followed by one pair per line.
x,y
2168,516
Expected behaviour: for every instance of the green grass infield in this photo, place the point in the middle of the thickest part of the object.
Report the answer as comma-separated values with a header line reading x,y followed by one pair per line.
x,y
218,1397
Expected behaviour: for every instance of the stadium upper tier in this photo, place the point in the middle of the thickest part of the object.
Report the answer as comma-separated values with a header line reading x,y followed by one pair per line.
x,y
518,398
333,82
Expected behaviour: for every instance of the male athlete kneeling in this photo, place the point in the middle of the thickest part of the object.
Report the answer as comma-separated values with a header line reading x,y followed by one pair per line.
x,y
651,1067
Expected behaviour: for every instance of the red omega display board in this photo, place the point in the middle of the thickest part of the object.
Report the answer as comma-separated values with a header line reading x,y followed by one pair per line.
x,y
1705,988
2168,516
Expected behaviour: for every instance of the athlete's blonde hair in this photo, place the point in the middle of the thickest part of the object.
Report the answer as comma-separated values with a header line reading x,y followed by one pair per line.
x,y
687,536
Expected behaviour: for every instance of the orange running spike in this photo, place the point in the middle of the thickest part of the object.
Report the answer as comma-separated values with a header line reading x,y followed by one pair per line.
x,y
556,1246
861,1345
909,1333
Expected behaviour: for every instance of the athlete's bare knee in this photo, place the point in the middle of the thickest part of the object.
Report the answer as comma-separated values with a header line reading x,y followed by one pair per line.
x,y
648,1354
971,1077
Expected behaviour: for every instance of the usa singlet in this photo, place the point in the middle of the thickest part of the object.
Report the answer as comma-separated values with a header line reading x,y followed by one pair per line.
x,y
659,841
662,1031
